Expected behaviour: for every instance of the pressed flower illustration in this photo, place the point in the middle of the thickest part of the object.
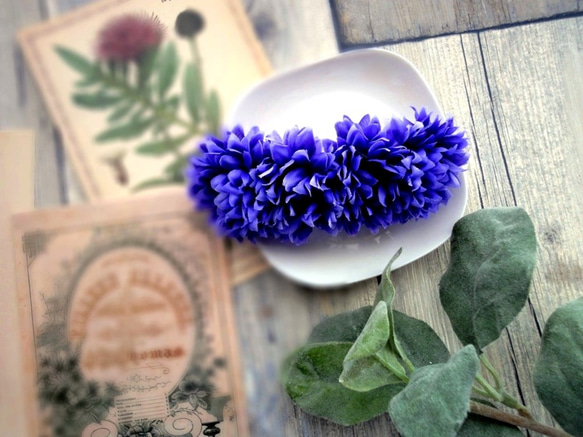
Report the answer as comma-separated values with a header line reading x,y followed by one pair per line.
x,y
135,78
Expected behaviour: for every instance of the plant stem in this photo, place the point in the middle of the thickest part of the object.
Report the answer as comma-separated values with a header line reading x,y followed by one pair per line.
x,y
512,419
497,382
491,391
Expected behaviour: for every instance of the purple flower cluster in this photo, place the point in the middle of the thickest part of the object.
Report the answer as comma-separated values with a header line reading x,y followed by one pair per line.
x,y
259,186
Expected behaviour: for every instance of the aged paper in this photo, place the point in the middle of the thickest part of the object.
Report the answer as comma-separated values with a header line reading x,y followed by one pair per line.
x,y
144,152
231,60
127,321
16,195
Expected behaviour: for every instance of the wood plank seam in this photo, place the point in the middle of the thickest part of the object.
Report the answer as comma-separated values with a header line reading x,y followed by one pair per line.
x,y
346,46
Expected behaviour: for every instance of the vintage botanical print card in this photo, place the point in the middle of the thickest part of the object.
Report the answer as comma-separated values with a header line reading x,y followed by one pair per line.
x,y
132,84
127,322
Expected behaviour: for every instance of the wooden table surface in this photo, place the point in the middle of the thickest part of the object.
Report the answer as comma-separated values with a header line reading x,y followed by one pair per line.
x,y
510,72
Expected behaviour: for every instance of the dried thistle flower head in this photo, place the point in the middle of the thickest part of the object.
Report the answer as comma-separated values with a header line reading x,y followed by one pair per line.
x,y
127,37
189,23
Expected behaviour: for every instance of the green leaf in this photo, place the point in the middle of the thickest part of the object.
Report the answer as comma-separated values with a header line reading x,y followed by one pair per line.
x,y
437,399
146,64
76,61
176,169
133,129
167,68
161,147
121,111
370,363
98,100
419,342
374,335
558,373
213,112
368,373
193,92
493,253
344,327
310,377
481,426
151,183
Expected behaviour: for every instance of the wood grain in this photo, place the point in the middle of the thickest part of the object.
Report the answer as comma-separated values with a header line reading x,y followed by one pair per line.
x,y
378,21
21,105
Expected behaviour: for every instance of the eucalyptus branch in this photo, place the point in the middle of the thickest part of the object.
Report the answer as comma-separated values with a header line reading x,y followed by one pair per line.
x,y
513,419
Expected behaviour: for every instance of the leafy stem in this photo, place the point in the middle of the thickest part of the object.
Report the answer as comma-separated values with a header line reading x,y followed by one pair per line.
x,y
159,111
513,419
486,363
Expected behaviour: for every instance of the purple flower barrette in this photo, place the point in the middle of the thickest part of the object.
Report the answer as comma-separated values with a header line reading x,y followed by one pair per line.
x,y
274,187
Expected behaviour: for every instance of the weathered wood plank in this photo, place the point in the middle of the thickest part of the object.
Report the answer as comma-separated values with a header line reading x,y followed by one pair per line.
x,y
293,33
21,105
377,21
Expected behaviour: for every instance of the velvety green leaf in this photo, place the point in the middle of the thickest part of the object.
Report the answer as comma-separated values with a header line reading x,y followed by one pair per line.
x,y
151,183
167,68
76,61
161,147
146,65
311,380
558,373
493,253
437,399
132,129
374,335
480,426
213,112
193,92
419,342
345,327
96,101
366,374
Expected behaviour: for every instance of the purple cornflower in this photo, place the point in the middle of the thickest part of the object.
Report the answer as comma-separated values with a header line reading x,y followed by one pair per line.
x,y
224,181
295,177
260,186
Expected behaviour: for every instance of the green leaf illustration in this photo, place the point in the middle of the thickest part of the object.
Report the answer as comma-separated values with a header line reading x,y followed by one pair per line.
x,y
99,100
146,65
310,378
167,68
123,109
176,169
213,112
193,92
161,147
493,253
558,371
133,129
437,399
76,61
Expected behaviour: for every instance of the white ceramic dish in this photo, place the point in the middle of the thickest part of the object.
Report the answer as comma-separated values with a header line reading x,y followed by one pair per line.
x,y
370,81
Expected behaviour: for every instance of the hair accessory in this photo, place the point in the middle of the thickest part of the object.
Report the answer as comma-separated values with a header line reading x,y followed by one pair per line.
x,y
259,186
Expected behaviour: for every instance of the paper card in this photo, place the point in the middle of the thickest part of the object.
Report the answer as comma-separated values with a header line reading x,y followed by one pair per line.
x,y
127,321
16,195
106,70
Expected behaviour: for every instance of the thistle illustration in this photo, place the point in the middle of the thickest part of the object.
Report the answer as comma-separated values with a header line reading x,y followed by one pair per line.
x,y
134,76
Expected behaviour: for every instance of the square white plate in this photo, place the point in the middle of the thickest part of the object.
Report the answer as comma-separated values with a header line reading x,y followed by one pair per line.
x,y
371,81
